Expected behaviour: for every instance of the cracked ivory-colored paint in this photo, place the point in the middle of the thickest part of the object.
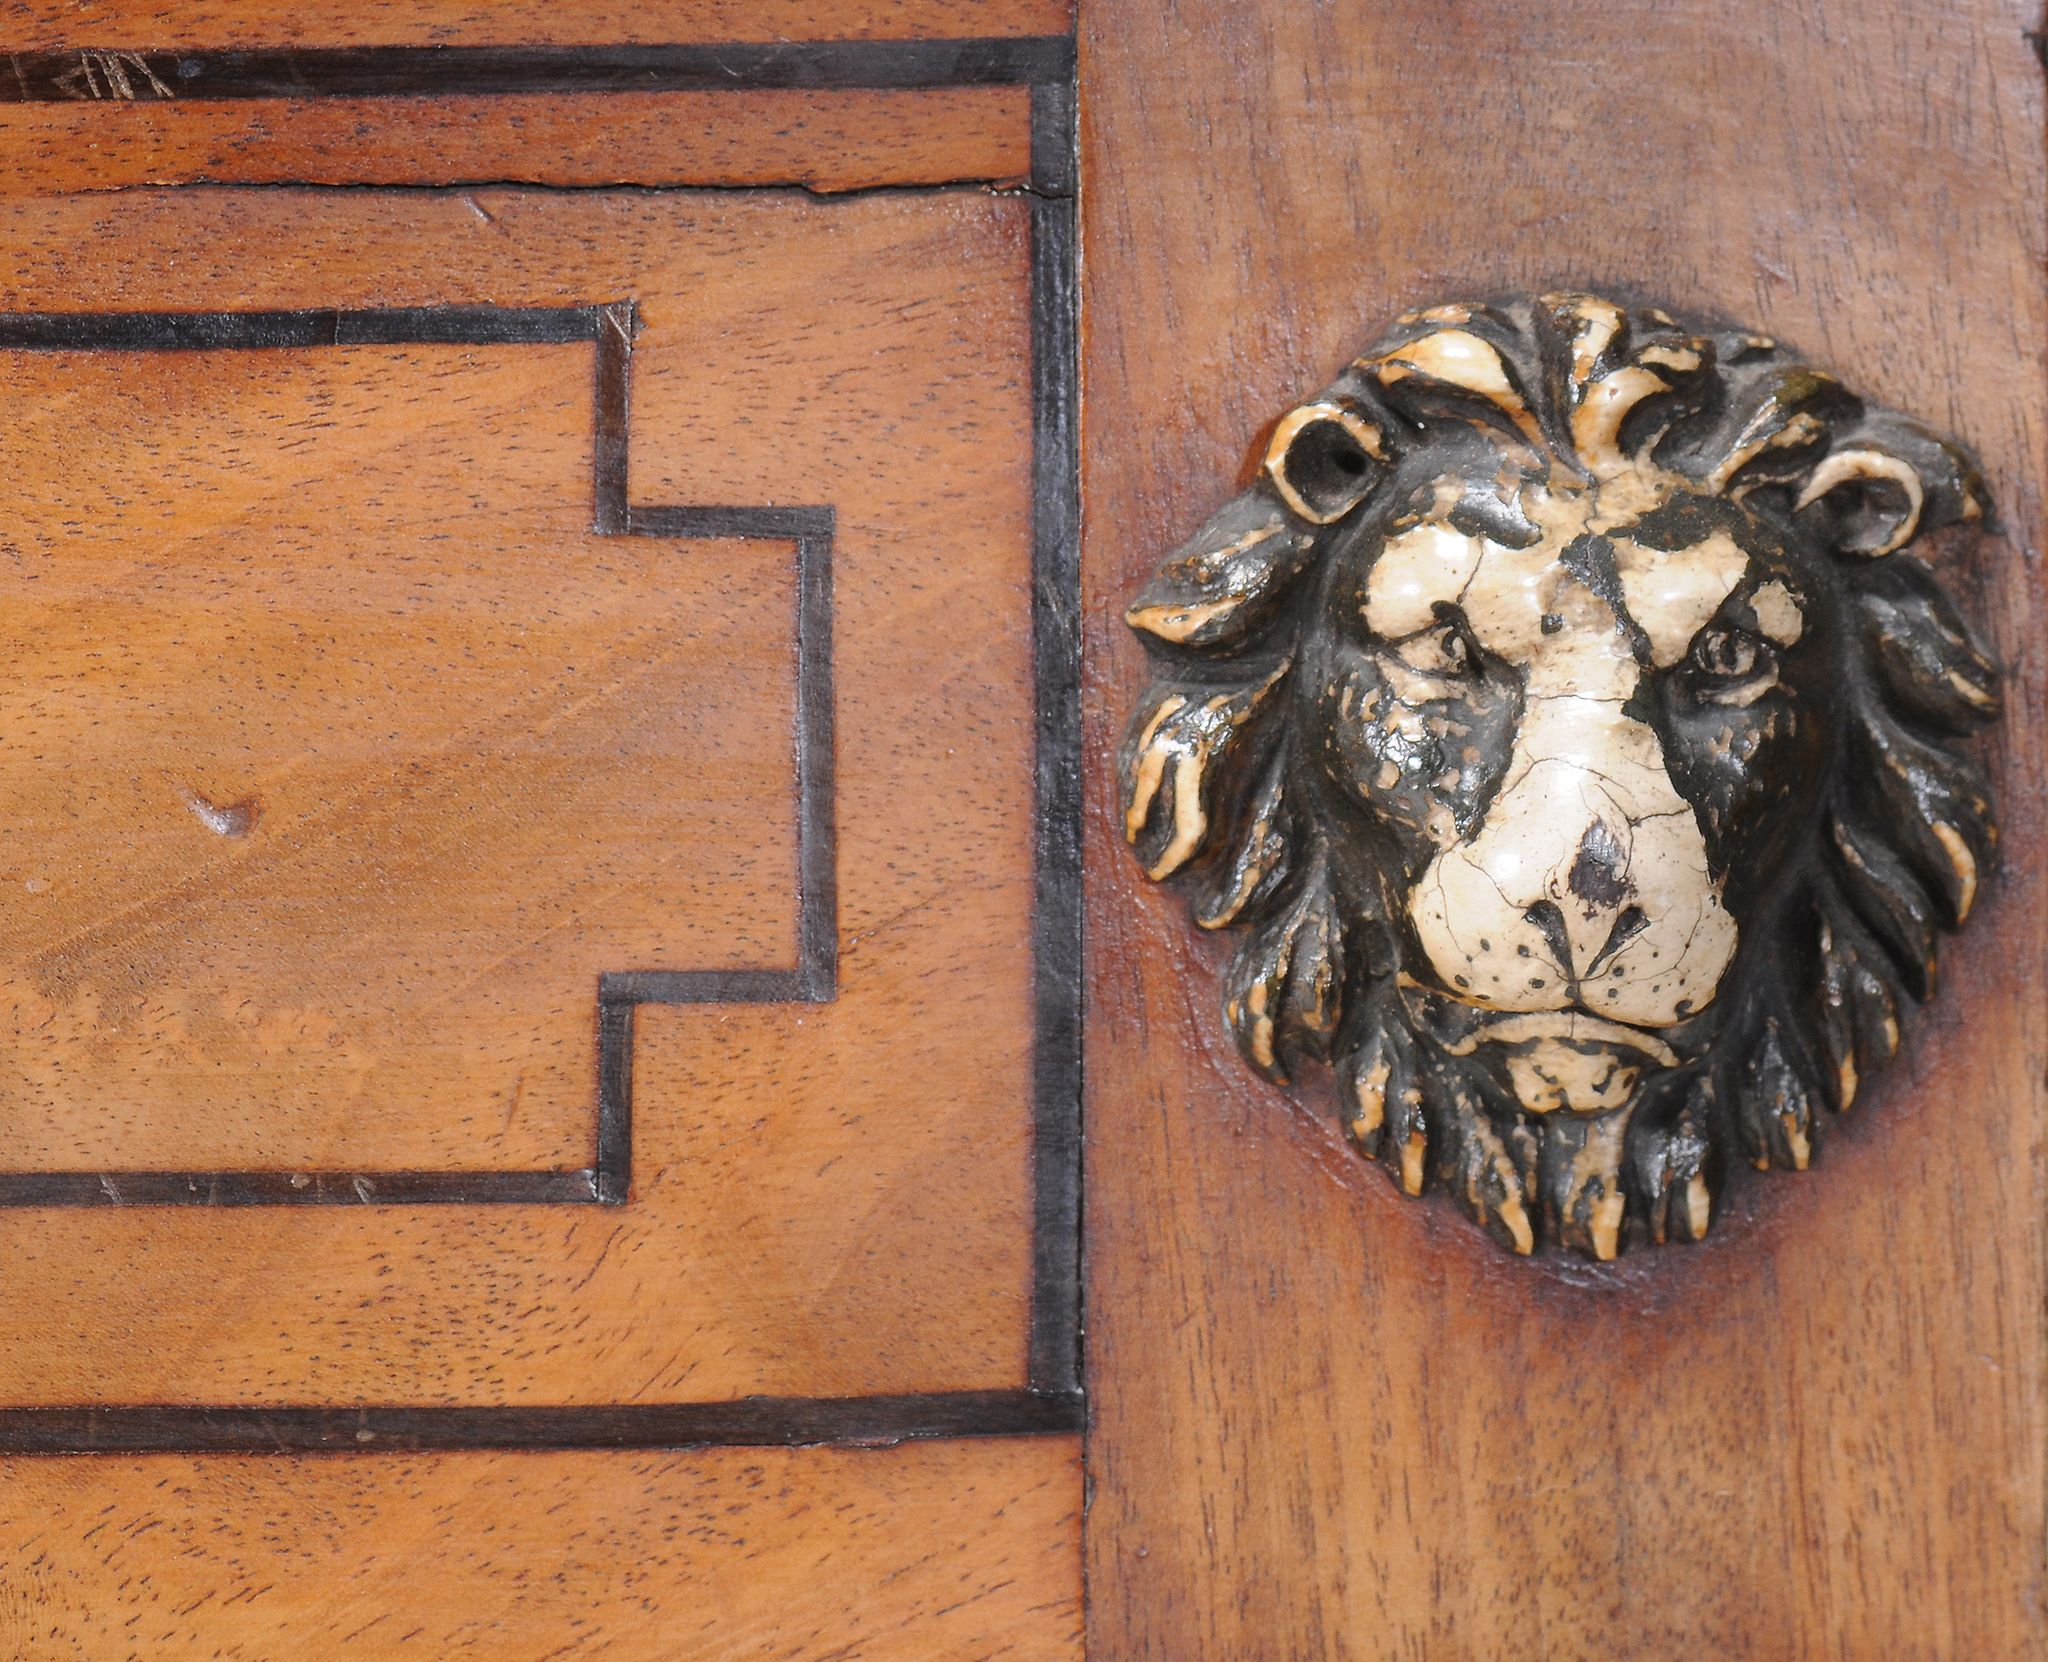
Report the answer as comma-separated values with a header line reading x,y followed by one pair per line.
x,y
1672,597
1549,1075
1778,614
1587,885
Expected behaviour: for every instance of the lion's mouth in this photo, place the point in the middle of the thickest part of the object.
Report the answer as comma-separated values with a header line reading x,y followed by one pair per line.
x,y
1570,1060
1577,1028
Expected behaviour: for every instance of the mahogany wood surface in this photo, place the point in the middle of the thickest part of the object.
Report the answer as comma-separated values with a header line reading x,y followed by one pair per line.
x,y
198,25
933,1552
361,590
1329,1422
826,140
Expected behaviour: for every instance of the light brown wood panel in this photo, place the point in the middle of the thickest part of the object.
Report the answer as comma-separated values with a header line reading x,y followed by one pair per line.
x,y
945,1552
347,758
1330,1422
830,141
829,1199
148,25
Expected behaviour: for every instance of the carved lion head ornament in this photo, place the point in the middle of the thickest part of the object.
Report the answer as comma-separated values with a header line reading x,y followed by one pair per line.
x,y
1566,724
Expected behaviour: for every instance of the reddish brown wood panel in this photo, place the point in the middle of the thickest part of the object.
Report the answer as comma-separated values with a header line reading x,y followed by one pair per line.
x,y
942,1551
149,25
359,589
1329,1422
829,141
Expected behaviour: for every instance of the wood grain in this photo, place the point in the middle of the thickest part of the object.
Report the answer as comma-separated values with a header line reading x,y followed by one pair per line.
x,y
945,1552
198,25
828,141
321,850
1329,1422
348,581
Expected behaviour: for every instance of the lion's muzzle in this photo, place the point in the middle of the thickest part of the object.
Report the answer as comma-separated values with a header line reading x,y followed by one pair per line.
x,y
1587,886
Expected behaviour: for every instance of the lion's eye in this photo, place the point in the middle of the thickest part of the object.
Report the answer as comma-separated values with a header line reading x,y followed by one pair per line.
x,y
1443,650
1726,654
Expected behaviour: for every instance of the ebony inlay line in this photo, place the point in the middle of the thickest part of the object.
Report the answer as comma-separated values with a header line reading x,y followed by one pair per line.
x,y
1054,157
613,329
731,986
815,979
789,524
271,330
310,1188
816,768
614,1174
92,74
754,1422
1057,915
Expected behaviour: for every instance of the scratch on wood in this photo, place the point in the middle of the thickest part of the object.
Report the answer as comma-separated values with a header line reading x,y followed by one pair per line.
x,y
100,76
234,819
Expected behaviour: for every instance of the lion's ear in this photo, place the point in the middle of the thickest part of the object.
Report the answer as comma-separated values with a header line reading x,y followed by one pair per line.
x,y
1878,490
1221,586
1324,458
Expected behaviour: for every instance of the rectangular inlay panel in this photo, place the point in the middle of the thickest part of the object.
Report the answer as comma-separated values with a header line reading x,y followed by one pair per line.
x,y
829,1199
562,698
442,764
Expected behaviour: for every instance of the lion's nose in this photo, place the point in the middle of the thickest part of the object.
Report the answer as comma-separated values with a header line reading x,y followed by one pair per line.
x,y
1548,917
1586,896
1599,871
1580,953
1631,923
1581,886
